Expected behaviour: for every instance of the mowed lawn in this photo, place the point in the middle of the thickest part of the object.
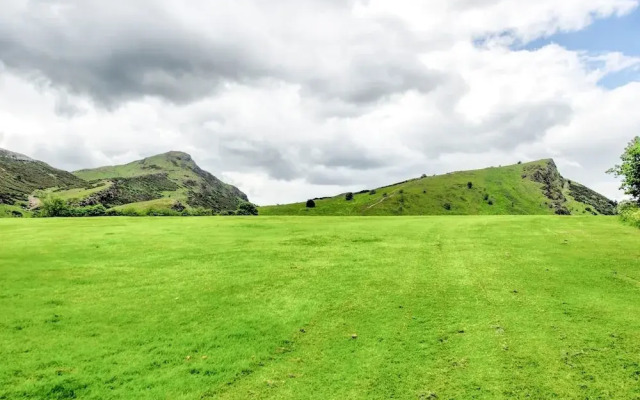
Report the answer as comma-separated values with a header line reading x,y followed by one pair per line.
x,y
320,308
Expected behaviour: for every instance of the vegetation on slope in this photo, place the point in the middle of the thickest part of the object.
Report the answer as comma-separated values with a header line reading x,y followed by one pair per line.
x,y
531,188
172,175
345,308
20,176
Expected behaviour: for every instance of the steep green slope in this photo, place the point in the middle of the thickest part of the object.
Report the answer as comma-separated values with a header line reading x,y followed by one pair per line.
x,y
20,176
173,177
532,188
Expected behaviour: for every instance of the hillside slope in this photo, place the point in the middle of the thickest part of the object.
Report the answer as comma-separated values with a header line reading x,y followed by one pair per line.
x,y
162,180
20,176
535,188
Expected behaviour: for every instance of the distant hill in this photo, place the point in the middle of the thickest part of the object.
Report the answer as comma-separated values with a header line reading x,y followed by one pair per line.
x,y
170,180
531,188
161,181
20,176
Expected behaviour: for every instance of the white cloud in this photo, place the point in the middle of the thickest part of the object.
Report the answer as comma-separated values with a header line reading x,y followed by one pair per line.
x,y
310,98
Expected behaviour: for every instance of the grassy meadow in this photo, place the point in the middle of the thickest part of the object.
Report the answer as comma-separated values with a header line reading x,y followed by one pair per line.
x,y
320,308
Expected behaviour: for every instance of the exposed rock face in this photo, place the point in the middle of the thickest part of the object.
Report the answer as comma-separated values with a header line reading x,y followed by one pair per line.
x,y
552,182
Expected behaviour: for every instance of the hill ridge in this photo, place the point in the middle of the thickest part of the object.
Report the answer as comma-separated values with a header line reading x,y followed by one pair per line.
x,y
535,187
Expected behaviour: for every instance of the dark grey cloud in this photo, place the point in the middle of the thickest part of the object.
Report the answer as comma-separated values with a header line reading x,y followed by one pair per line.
x,y
129,51
247,154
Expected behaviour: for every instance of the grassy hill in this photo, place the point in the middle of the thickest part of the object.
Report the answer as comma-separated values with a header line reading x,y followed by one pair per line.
x,y
478,307
20,176
159,181
532,188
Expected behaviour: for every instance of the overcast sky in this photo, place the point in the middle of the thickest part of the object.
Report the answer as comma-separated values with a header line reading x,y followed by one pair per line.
x,y
293,99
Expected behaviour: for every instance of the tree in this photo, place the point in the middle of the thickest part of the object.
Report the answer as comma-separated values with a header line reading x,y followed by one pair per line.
x,y
470,185
246,208
311,204
54,207
630,169
348,196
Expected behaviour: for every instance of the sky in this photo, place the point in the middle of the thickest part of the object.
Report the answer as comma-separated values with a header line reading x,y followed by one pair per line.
x,y
297,99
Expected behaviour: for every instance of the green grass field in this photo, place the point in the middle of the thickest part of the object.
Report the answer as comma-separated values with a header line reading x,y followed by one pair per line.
x,y
240,308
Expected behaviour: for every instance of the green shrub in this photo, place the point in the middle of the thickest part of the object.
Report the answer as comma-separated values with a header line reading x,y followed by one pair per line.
x,y
630,214
447,206
130,212
246,208
162,212
311,204
372,192
53,207
486,197
470,185
348,196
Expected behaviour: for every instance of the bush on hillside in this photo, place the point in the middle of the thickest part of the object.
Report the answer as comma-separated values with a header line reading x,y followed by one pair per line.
x,y
348,196
311,204
447,206
178,206
53,207
372,192
490,202
246,208
470,185
486,197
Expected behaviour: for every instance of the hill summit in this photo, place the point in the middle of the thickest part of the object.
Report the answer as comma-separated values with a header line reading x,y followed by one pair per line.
x,y
531,188
171,180
160,180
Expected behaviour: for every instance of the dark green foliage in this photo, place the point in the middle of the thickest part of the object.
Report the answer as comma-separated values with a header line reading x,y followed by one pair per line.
x,y
162,212
519,162
470,185
53,207
447,206
372,192
132,190
490,202
348,196
629,169
311,204
178,206
594,199
486,197
246,208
